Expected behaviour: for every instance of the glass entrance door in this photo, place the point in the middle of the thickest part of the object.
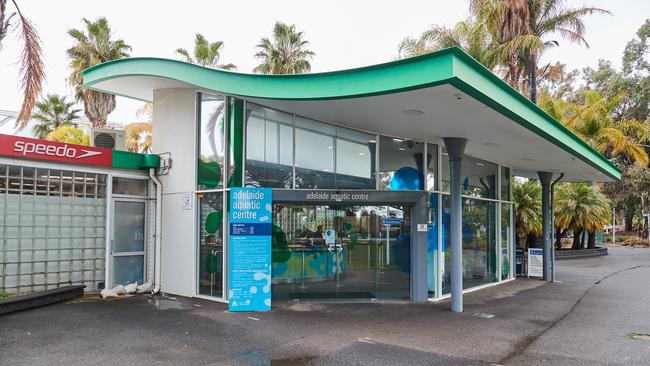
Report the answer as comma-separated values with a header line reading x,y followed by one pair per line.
x,y
341,252
127,241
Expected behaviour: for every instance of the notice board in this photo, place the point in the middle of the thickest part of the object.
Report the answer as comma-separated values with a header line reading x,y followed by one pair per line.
x,y
535,262
250,249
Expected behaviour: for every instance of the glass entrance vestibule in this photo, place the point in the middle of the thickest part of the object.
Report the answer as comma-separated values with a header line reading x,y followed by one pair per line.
x,y
390,246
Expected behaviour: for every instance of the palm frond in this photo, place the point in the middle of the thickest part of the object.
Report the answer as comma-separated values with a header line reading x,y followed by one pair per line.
x,y
32,68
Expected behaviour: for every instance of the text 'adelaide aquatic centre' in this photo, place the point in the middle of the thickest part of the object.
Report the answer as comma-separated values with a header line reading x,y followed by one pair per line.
x,y
29,148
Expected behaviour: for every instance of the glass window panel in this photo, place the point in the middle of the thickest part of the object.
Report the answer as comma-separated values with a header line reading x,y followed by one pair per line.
x,y
210,281
131,187
479,242
506,241
211,141
432,167
506,183
269,148
478,177
314,154
400,164
355,159
128,269
432,246
129,219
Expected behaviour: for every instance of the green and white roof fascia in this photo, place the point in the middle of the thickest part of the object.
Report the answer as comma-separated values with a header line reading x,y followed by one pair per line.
x,y
450,66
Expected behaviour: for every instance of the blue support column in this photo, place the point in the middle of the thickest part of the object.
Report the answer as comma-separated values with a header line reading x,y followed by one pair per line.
x,y
545,180
456,149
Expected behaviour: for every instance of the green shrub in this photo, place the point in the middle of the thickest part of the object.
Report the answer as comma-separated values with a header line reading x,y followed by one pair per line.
x,y
4,295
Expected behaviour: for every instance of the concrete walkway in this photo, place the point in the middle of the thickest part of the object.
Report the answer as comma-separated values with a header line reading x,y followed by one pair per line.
x,y
585,319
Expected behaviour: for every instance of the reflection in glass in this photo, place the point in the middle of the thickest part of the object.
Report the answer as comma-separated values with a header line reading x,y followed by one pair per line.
x,y
269,148
131,187
128,269
432,167
210,281
478,176
479,242
211,141
401,164
129,218
360,257
505,183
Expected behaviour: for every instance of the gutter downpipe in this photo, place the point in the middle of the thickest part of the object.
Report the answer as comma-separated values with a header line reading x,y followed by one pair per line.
x,y
158,232
553,225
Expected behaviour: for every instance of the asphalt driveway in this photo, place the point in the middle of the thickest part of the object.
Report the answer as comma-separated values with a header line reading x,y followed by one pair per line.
x,y
585,319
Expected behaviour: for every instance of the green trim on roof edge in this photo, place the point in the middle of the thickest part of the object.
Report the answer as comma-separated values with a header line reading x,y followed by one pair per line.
x,y
129,160
447,66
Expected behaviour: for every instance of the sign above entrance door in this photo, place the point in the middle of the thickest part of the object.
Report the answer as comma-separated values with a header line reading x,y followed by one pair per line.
x,y
28,148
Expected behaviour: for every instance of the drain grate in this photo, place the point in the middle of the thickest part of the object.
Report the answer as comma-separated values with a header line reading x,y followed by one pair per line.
x,y
484,315
641,336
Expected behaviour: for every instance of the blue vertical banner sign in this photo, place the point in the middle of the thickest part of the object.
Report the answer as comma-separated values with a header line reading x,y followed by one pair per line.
x,y
250,249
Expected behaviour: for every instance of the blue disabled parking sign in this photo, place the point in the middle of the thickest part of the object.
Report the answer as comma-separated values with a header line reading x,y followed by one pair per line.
x,y
250,249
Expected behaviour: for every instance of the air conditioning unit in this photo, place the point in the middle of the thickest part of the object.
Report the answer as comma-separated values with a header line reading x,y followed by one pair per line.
x,y
108,138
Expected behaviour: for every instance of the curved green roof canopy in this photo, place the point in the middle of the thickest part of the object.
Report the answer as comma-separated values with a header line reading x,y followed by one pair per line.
x,y
451,67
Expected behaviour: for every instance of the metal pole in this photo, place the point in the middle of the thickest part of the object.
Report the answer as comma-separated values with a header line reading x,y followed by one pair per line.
x,y
545,180
553,226
613,225
456,149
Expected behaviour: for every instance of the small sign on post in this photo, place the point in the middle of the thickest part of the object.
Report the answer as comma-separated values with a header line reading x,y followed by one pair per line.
x,y
535,262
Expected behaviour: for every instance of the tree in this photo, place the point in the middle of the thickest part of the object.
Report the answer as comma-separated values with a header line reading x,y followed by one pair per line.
x,y
626,195
52,112
32,69
92,47
286,53
591,119
69,134
527,196
138,137
580,208
523,28
470,35
205,53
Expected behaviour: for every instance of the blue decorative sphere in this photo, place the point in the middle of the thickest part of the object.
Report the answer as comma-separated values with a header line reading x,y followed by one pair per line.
x,y
407,179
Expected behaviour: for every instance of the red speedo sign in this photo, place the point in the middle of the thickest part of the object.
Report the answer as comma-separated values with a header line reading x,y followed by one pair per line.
x,y
23,147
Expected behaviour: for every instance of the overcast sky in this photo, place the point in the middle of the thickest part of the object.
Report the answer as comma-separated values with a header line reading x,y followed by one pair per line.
x,y
343,34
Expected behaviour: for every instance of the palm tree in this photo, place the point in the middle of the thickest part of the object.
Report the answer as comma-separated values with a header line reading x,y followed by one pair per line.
x,y
69,134
592,120
32,69
205,53
285,54
528,209
52,112
580,208
138,137
93,47
471,35
523,27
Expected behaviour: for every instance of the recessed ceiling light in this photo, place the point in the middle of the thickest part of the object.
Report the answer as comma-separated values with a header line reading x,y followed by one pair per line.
x,y
401,149
412,112
362,154
527,159
445,154
490,144
330,147
480,164
397,140
372,141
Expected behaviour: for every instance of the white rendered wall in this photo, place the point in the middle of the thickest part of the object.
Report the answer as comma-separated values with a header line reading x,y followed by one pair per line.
x,y
174,120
